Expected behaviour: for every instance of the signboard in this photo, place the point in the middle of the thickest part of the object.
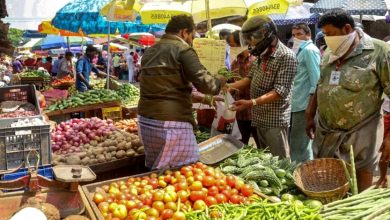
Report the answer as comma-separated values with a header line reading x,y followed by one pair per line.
x,y
211,53
268,7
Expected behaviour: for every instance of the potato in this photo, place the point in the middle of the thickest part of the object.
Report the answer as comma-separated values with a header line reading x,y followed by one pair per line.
x,y
93,143
92,156
113,153
120,154
128,146
136,143
108,157
98,151
73,160
121,145
112,148
130,153
100,145
129,139
141,150
85,161
105,149
101,158
81,154
93,161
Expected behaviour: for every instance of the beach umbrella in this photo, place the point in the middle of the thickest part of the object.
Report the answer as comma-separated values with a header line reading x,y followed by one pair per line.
x,y
144,39
46,27
355,7
55,41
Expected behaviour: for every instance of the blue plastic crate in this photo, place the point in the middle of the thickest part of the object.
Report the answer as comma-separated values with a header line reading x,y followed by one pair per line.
x,y
45,171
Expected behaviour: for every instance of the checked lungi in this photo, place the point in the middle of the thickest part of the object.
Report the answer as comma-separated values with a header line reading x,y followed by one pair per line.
x,y
168,144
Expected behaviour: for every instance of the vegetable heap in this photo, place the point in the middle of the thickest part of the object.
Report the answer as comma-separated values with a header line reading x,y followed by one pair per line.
x,y
68,136
169,196
67,80
129,125
36,73
129,94
264,172
98,83
85,98
260,209
370,204
201,136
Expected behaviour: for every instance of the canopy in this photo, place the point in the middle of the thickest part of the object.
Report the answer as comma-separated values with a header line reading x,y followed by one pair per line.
x,y
55,41
31,43
356,7
296,14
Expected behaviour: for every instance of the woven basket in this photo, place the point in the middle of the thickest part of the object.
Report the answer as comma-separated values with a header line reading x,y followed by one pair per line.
x,y
322,179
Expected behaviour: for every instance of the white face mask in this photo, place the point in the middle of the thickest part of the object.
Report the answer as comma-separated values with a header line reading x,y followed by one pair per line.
x,y
339,45
297,44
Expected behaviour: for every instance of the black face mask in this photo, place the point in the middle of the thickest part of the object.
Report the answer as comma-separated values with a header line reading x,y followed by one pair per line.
x,y
261,46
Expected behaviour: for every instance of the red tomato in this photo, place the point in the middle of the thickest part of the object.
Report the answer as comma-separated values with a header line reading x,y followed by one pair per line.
x,y
197,185
166,214
98,198
197,195
152,212
159,206
231,180
199,177
183,195
208,181
221,184
235,199
234,191
171,205
210,201
247,190
185,170
239,184
213,190
210,171
153,182
182,185
199,205
227,193
167,178
221,198
158,195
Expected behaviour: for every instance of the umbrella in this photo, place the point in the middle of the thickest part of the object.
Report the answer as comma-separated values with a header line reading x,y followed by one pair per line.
x,y
145,39
121,10
219,27
55,41
296,14
201,10
355,7
47,28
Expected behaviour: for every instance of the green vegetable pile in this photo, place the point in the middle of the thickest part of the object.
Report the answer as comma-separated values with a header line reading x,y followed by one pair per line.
x,y
85,98
368,205
257,210
266,173
36,73
129,94
98,83
201,136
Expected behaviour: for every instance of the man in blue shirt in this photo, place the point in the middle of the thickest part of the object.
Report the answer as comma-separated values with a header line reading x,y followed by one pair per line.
x,y
305,82
84,67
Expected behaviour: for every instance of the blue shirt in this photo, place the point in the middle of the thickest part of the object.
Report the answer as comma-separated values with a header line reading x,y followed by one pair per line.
x,y
308,73
84,66
227,58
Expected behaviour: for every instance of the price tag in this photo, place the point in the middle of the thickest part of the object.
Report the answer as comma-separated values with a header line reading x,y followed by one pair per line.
x,y
334,78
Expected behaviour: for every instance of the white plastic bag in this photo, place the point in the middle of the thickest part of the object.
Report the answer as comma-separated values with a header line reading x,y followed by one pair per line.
x,y
225,120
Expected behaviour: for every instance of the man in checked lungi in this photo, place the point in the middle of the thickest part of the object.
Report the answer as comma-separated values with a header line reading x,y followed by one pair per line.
x,y
169,69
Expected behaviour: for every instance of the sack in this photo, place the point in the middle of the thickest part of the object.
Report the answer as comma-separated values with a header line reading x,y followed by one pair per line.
x,y
225,120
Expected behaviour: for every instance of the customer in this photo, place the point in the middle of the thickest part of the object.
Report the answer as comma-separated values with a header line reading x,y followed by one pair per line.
x,y
242,65
65,67
223,35
116,63
84,68
169,69
305,83
48,64
56,65
270,82
130,66
17,65
354,75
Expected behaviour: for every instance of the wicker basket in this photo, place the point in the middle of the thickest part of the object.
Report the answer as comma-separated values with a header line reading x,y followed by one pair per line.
x,y
322,179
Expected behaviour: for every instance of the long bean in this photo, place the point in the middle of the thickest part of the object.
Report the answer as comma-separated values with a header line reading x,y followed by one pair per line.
x,y
353,174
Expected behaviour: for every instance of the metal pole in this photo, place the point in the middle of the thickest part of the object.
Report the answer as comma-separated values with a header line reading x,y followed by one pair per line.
x,y
67,41
108,56
207,4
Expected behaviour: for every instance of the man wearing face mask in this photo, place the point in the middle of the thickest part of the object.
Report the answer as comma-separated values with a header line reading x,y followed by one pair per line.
x,y
168,70
270,81
354,73
305,83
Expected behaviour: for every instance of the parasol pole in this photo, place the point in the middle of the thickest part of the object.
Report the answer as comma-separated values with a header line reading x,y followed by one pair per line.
x,y
67,41
207,4
108,56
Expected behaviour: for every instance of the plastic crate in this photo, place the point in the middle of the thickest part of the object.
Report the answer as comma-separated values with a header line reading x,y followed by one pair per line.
x,y
113,113
45,171
25,93
16,143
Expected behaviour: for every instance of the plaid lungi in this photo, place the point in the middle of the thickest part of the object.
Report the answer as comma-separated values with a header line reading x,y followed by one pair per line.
x,y
167,144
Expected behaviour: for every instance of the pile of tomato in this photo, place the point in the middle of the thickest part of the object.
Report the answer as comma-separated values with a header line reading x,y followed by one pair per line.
x,y
169,196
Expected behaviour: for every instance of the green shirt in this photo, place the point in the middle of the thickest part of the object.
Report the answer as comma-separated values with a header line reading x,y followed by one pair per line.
x,y
363,79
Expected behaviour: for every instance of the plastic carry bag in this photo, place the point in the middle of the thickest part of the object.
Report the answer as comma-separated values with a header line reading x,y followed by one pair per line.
x,y
225,120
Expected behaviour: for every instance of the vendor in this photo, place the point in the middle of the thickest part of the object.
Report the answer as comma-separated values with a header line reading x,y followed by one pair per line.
x,y
65,67
84,67
169,69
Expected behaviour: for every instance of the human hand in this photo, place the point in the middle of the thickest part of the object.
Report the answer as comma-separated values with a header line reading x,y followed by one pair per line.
x,y
241,105
310,127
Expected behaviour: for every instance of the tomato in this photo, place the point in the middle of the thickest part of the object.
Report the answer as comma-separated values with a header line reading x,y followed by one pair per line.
x,y
182,185
166,214
151,218
188,174
121,183
105,188
112,206
130,204
208,181
197,185
114,190
177,174
231,180
247,190
167,178
199,205
162,183
239,184
172,195
103,207
153,182
221,198
152,212
210,171
197,195
120,212
245,200
212,191
158,205
174,180
120,196
234,191
98,198
235,199
183,195
197,171
171,205
205,190
158,195
185,170
221,184
199,177
200,165
131,180
179,216
226,192
210,201
190,180
153,175
114,185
